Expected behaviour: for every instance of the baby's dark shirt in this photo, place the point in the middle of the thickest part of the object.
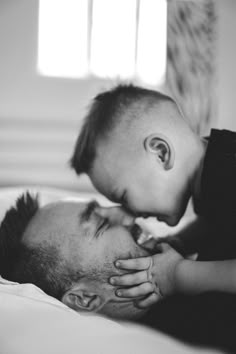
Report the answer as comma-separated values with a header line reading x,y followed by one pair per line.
x,y
218,182
210,318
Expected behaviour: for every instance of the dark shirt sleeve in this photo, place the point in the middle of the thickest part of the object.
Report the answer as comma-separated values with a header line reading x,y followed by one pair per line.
x,y
218,184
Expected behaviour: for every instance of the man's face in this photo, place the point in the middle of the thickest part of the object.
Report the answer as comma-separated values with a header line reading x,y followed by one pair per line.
x,y
89,242
135,180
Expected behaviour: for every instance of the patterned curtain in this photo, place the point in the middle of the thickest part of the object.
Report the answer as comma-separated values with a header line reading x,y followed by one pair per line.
x,y
191,60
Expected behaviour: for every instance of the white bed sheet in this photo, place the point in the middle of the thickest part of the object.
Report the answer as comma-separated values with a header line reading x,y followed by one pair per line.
x,y
32,322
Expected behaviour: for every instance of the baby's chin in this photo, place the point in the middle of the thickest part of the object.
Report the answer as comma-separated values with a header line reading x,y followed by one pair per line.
x,y
174,219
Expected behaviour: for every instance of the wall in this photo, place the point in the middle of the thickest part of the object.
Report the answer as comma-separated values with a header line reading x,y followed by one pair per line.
x,y
227,64
32,105
191,65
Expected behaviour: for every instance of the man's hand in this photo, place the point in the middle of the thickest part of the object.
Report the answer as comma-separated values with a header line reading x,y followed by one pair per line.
x,y
155,276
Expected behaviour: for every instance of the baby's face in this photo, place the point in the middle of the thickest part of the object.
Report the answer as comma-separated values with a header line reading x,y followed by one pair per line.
x,y
139,184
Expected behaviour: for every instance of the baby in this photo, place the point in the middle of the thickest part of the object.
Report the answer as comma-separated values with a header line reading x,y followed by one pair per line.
x,y
140,151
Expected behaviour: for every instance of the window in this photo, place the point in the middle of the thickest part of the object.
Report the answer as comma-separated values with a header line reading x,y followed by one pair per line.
x,y
104,38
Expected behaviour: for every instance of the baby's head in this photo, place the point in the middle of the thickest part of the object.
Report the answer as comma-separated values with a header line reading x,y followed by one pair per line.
x,y
138,151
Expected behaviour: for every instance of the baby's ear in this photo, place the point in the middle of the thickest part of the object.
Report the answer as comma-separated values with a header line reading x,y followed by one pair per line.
x,y
161,146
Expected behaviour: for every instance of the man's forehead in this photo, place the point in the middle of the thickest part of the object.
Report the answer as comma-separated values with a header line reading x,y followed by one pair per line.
x,y
63,207
65,210
60,218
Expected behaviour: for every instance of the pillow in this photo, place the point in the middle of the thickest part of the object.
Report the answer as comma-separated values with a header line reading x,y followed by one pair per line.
x,y
33,322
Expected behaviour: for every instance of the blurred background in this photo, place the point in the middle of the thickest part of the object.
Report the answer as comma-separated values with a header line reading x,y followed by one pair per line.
x,y
55,55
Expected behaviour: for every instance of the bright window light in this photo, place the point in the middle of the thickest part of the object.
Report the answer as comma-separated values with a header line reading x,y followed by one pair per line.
x,y
113,38
63,38
152,40
106,38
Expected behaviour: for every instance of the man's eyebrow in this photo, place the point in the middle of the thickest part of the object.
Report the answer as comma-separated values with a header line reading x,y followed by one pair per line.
x,y
88,211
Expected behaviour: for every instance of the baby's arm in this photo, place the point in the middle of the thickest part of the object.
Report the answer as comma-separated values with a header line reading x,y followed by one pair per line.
x,y
196,277
191,238
168,272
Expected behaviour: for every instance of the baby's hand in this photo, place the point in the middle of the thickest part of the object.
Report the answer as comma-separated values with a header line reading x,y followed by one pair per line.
x,y
155,277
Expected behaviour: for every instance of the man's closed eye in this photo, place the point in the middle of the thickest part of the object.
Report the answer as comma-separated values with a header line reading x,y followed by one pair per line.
x,y
104,224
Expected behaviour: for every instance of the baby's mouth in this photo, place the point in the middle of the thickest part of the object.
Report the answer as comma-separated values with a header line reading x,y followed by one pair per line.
x,y
138,234
161,218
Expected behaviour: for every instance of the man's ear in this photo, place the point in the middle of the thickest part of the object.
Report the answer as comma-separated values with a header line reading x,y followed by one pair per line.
x,y
83,297
161,146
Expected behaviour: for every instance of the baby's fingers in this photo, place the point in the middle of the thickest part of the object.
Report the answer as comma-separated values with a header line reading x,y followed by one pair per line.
x,y
148,301
163,247
130,279
136,291
141,263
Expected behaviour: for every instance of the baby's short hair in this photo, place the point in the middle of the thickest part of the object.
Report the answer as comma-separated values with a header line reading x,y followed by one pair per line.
x,y
106,111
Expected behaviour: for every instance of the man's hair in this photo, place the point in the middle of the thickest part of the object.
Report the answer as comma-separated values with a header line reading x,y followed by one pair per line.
x,y
38,265
108,109
41,265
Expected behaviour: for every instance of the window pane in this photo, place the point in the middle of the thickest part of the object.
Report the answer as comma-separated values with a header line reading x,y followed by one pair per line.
x,y
63,37
151,53
113,38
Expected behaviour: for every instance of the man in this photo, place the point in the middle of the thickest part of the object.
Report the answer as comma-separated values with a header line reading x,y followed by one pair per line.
x,y
68,249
